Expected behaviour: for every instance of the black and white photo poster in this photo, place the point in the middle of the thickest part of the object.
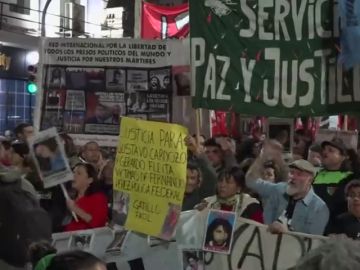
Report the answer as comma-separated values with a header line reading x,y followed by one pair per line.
x,y
85,94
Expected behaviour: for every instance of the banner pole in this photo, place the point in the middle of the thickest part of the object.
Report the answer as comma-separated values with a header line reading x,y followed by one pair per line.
x,y
197,116
345,125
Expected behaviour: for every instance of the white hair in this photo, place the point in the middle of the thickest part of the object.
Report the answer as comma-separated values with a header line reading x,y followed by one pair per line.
x,y
335,254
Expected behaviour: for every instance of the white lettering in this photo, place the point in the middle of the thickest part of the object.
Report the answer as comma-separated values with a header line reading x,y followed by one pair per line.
x,y
250,14
247,71
197,59
272,54
307,77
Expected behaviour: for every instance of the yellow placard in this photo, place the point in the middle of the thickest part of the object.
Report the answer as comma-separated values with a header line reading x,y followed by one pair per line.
x,y
151,168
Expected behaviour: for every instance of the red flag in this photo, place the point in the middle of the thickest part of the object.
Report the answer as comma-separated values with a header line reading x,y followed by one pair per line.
x,y
161,22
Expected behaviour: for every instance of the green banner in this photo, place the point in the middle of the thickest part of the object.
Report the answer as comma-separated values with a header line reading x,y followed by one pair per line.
x,y
270,57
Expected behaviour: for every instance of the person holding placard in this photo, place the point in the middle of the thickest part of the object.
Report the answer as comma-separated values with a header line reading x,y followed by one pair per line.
x,y
90,205
231,196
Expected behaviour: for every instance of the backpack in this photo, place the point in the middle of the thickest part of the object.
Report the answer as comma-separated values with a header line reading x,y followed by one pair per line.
x,y
22,222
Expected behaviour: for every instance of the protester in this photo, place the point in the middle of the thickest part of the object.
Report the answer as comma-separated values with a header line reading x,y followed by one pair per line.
x,y
314,155
92,154
221,153
292,205
22,220
70,149
231,196
200,176
249,149
90,205
349,223
337,171
271,172
44,257
19,156
5,152
24,131
333,255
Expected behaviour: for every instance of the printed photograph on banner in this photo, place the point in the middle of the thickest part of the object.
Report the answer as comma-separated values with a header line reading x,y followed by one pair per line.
x,y
171,219
182,83
282,130
55,99
55,77
116,79
49,156
81,241
117,245
81,78
137,80
138,116
193,259
158,103
74,121
159,117
219,231
104,108
160,80
136,103
120,209
53,118
75,100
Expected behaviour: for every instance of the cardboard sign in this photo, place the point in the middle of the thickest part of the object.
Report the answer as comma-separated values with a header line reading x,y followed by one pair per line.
x,y
151,169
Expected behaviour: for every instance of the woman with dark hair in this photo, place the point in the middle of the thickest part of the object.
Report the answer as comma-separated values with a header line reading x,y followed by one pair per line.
x,y
43,257
231,196
90,205
218,234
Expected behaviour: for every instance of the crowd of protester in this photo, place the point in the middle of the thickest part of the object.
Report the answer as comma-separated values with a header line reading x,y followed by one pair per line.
x,y
316,191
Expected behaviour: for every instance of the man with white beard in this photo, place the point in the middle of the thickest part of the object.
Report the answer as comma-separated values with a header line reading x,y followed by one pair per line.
x,y
291,205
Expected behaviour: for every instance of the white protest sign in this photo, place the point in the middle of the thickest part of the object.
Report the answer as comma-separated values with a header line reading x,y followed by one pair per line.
x,y
253,247
49,156
350,138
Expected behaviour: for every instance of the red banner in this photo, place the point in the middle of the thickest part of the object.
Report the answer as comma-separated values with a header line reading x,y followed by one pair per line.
x,y
162,22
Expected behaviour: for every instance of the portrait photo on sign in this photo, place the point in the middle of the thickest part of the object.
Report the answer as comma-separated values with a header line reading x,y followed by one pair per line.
x,y
192,259
75,100
116,79
55,77
136,103
55,99
52,118
74,121
171,219
80,78
219,231
160,80
81,241
120,209
117,245
282,130
137,80
105,107
49,157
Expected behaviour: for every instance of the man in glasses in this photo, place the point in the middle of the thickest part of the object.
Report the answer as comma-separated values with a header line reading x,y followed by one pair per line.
x,y
349,223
